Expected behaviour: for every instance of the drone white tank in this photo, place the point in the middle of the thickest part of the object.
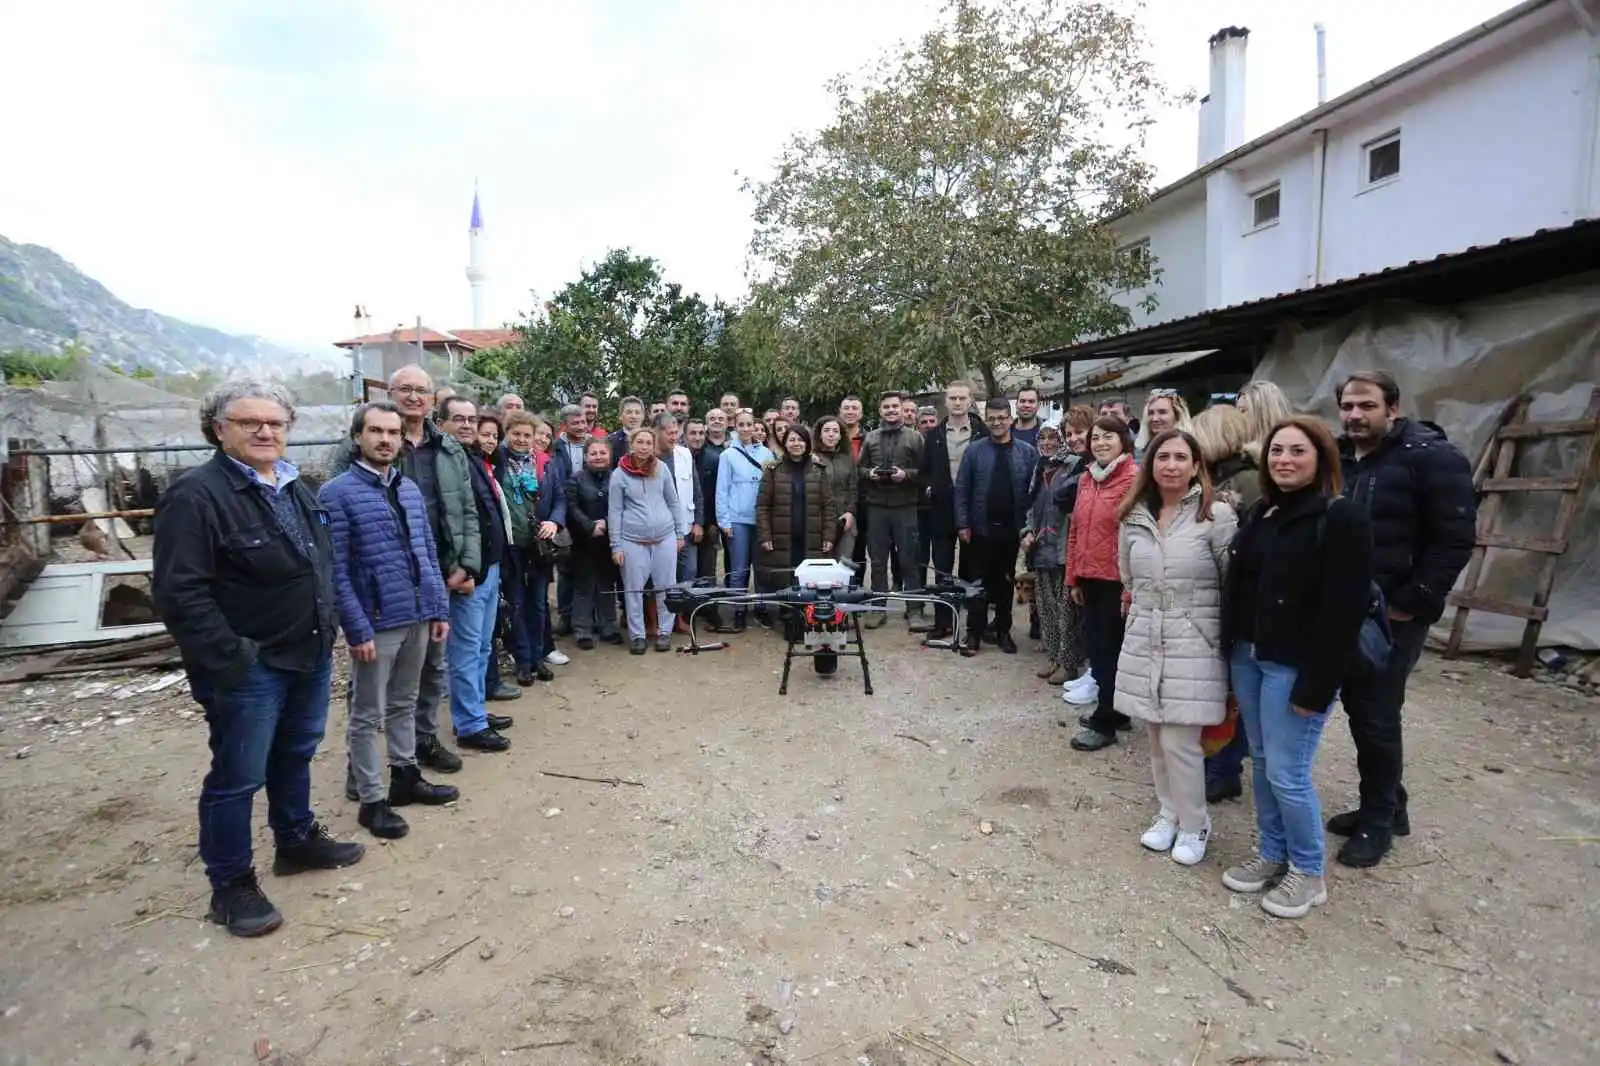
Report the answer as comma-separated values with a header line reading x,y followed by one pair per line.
x,y
822,574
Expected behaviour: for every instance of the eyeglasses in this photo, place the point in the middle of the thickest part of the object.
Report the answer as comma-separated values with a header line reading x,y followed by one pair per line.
x,y
411,390
252,426
462,420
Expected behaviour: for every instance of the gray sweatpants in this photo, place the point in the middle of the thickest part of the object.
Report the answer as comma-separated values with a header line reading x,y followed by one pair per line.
x,y
656,562
384,692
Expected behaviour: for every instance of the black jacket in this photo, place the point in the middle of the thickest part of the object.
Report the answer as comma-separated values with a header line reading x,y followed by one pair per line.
x,y
975,479
588,498
938,486
491,523
709,460
1311,597
1417,490
231,586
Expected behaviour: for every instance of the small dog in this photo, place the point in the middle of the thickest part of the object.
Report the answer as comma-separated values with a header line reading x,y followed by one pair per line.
x,y
1024,582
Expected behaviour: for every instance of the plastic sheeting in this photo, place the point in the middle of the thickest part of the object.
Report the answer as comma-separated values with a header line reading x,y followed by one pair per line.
x,y
1459,367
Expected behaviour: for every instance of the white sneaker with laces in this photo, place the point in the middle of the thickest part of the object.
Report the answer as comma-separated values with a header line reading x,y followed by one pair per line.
x,y
1082,680
557,657
1191,847
1161,834
1083,696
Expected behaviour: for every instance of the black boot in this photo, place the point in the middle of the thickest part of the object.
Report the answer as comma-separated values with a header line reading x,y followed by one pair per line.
x,y
1004,642
1366,847
380,820
243,909
318,851
500,722
484,740
435,756
1219,789
407,786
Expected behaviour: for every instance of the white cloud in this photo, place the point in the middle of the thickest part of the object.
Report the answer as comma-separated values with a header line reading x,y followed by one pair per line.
x,y
265,168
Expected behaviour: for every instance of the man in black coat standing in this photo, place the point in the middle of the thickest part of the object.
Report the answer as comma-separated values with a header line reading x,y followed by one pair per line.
x,y
243,578
1416,488
944,445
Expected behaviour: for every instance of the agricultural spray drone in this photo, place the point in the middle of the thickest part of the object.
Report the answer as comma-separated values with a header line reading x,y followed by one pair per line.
x,y
820,613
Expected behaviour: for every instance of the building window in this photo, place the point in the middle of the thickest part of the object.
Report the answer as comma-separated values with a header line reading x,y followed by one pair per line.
x,y
1264,206
1381,159
1139,262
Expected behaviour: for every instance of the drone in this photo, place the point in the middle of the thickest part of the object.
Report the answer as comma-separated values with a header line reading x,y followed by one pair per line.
x,y
821,613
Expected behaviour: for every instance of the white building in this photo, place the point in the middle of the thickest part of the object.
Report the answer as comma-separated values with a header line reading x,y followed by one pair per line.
x,y
1489,136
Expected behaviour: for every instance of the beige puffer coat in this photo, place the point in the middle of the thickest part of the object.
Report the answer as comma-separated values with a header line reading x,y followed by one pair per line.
x,y
1171,669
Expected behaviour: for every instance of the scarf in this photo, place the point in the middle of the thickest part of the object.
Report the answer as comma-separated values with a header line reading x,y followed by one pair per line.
x,y
522,476
1100,473
636,468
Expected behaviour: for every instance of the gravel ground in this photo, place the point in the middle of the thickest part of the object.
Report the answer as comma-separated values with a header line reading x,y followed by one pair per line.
x,y
929,875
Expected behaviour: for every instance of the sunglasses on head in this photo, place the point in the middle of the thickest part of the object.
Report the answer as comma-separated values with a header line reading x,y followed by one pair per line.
x,y
1159,394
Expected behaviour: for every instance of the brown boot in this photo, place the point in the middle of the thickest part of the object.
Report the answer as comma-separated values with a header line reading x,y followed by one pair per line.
x,y
1046,670
1057,676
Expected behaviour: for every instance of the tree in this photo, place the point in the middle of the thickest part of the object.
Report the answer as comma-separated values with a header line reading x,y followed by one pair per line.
x,y
24,368
620,330
954,216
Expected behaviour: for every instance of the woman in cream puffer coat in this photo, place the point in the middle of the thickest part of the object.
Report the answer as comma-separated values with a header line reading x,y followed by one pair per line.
x,y
1172,553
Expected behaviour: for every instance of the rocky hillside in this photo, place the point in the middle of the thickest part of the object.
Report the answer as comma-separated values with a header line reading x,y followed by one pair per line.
x,y
46,303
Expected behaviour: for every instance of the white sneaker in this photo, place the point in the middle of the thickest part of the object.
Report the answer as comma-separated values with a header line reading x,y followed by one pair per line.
x,y
1083,695
557,657
1162,832
1191,847
1085,678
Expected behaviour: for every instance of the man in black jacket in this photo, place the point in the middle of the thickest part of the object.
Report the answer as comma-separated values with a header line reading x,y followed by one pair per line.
x,y
944,446
1417,489
993,495
243,579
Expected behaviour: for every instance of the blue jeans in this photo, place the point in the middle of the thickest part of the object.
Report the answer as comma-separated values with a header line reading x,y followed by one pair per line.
x,y
264,731
471,646
740,546
530,618
1283,745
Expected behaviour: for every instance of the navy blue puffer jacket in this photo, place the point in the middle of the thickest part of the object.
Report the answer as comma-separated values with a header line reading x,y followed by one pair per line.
x,y
977,471
385,567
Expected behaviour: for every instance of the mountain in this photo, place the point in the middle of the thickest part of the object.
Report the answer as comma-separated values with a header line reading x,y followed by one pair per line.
x,y
46,303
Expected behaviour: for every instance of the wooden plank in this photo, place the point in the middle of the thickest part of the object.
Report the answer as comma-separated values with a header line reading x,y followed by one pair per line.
x,y
1494,606
1522,543
1540,430
1530,484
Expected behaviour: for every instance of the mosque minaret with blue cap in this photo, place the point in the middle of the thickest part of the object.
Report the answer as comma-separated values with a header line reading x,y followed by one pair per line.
x,y
477,274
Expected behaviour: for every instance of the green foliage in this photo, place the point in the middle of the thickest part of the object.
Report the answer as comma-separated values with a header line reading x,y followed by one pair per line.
x,y
621,330
953,217
31,368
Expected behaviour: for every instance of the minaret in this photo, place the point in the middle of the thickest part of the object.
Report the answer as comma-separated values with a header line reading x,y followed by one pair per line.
x,y
476,273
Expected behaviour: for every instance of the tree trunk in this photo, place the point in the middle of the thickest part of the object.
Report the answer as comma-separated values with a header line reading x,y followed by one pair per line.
x,y
991,386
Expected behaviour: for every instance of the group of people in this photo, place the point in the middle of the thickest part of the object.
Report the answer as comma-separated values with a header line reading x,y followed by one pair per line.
x,y
1178,567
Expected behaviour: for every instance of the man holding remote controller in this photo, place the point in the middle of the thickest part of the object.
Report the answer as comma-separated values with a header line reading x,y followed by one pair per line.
x,y
890,458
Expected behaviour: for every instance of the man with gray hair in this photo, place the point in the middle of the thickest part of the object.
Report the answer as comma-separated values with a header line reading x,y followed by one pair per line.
x,y
243,579
439,465
574,440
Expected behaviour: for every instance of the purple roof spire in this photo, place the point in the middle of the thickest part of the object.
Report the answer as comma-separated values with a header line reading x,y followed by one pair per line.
x,y
477,212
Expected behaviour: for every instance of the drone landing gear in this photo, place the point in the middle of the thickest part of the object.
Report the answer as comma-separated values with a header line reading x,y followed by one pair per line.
x,y
825,661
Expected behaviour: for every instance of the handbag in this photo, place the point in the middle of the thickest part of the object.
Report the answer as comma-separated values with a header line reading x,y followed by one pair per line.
x,y
552,552
1213,738
1375,639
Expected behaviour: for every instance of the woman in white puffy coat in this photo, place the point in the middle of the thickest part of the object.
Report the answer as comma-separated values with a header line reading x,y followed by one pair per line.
x,y
1173,552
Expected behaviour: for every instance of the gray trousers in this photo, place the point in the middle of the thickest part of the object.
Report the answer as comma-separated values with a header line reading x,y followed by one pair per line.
x,y
435,682
384,692
896,526
656,562
1178,764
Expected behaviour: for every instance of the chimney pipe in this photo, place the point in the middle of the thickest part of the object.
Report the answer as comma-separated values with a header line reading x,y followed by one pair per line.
x,y
1322,64
1222,111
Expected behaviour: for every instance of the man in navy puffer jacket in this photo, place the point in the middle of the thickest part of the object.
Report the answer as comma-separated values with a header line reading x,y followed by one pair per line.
x,y
992,501
392,603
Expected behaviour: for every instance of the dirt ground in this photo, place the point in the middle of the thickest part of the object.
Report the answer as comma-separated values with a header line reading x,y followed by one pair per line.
x,y
929,875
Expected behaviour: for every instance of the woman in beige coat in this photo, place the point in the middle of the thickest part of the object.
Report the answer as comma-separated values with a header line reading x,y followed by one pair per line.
x,y
1173,552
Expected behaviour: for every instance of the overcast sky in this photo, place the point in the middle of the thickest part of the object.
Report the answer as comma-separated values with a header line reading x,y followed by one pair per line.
x,y
264,165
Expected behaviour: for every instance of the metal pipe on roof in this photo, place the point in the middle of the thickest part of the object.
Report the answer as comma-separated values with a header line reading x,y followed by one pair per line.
x,y
1322,64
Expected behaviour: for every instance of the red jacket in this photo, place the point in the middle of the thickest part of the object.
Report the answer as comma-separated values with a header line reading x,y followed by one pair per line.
x,y
1092,541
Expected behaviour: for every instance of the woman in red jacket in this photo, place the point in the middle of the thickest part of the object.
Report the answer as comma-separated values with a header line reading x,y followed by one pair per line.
x,y
1092,572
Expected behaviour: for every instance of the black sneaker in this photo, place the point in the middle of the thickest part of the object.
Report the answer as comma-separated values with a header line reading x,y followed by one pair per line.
x,y
1006,645
435,756
243,909
500,722
1219,789
484,740
408,786
1347,823
318,851
380,820
1366,847
612,638
543,673
636,646
503,692
663,643
586,644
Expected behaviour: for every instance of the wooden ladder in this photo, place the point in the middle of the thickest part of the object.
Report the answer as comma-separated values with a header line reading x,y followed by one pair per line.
x,y
1494,480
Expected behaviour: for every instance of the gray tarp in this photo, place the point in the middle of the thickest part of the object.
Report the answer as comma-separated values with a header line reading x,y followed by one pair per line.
x,y
1459,367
